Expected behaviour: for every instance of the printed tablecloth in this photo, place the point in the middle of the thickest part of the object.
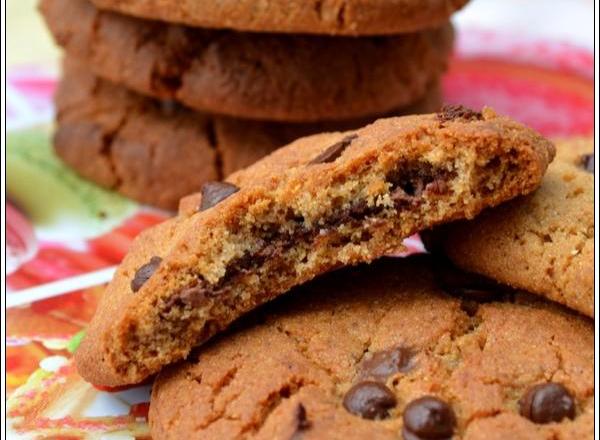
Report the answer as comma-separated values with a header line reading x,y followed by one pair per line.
x,y
65,235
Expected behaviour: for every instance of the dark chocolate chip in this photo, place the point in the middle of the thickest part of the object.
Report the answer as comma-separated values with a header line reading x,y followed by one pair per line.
x,y
302,421
428,418
587,162
547,402
193,296
409,184
452,112
144,273
437,187
215,192
335,151
370,400
403,199
384,364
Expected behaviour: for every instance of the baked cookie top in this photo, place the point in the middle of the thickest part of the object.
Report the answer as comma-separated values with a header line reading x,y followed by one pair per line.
x,y
325,201
543,243
295,78
332,17
136,145
388,351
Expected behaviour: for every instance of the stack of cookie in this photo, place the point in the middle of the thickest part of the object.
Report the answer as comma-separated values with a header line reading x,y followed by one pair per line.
x,y
159,97
409,348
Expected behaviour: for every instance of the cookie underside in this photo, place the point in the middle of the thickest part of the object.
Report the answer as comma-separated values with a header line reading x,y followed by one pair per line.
x,y
281,242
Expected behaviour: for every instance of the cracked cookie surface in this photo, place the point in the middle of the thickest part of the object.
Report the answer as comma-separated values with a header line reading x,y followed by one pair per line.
x,y
137,145
288,371
544,242
258,76
332,17
324,201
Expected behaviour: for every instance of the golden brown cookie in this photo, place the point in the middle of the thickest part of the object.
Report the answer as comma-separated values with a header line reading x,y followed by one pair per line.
x,y
157,151
543,243
333,17
321,202
257,76
386,352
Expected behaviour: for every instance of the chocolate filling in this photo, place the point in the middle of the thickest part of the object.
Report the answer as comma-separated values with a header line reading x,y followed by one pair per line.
x,y
586,162
407,188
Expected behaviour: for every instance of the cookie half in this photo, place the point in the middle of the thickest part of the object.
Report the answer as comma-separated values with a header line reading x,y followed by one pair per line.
x,y
158,151
321,202
350,17
385,352
544,242
253,76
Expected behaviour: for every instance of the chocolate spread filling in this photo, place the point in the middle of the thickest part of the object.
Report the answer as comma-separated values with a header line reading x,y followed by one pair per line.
x,y
407,189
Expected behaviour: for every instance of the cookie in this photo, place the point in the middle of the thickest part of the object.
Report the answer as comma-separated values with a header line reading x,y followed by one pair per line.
x,y
385,352
543,243
321,202
351,17
157,151
256,76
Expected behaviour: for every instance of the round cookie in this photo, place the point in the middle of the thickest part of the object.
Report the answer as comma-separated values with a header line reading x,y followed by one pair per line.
x,y
255,76
332,17
318,203
384,352
157,152
544,242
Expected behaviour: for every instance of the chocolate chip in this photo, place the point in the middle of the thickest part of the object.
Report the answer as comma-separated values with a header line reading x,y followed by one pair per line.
x,y
410,183
586,162
407,192
384,364
215,192
428,418
370,400
437,187
335,151
302,421
547,402
193,296
452,112
144,273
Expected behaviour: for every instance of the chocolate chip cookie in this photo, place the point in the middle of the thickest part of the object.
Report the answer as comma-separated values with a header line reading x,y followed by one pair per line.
x,y
158,151
350,17
543,243
321,202
256,76
386,352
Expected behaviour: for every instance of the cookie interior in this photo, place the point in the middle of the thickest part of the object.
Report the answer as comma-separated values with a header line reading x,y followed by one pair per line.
x,y
266,240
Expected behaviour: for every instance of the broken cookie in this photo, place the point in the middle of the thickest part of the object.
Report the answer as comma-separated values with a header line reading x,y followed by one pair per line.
x,y
294,218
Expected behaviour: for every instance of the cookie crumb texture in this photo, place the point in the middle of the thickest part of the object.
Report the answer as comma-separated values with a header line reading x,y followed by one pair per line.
x,y
333,17
293,219
259,76
464,379
543,243
159,151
